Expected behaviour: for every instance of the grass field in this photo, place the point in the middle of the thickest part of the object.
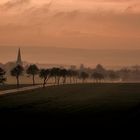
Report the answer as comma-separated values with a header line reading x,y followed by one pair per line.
x,y
100,105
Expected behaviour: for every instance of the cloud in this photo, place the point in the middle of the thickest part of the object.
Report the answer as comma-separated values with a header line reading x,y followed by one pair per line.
x,y
13,4
55,24
70,15
134,8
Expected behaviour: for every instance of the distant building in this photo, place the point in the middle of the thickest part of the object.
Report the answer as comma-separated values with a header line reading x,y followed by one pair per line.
x,y
19,60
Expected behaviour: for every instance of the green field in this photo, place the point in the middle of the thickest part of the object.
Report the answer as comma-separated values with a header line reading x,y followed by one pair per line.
x,y
105,105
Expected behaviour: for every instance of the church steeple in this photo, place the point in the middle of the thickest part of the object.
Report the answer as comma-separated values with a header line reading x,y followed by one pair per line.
x,y
19,60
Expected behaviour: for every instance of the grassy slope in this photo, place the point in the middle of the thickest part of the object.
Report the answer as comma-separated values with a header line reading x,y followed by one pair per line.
x,y
84,103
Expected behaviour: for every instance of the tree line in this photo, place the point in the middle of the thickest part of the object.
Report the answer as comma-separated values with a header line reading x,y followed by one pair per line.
x,y
58,74
63,76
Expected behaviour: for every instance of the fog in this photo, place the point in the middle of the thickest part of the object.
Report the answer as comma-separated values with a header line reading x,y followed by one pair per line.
x,y
72,56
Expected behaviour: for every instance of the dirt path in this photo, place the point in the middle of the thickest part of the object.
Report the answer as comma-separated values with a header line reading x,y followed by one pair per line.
x,y
10,91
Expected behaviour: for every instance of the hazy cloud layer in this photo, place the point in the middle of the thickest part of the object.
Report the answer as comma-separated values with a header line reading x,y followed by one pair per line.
x,y
13,4
71,23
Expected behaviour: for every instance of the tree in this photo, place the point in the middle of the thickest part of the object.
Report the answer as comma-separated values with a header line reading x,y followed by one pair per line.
x,y
45,75
17,72
75,75
113,75
2,76
53,73
64,74
100,70
84,76
98,77
125,74
58,75
70,74
32,70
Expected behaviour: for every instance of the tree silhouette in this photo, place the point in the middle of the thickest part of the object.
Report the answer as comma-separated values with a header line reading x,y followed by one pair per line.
x,y
64,74
53,73
17,72
45,75
125,74
32,70
75,75
98,77
84,76
113,75
2,76
70,74
100,70
58,75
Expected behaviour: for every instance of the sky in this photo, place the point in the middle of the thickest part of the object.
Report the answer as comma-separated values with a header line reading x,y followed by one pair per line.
x,y
84,24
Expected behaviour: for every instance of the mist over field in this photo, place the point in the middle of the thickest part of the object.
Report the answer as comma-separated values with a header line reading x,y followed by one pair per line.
x,y
112,58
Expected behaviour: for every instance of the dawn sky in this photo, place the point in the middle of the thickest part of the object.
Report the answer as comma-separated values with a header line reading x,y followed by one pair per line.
x,y
92,24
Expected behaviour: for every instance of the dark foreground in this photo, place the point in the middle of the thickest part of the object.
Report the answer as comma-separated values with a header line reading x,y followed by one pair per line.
x,y
77,106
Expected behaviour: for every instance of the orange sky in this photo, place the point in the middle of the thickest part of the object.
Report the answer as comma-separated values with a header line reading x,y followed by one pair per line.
x,y
70,23
93,24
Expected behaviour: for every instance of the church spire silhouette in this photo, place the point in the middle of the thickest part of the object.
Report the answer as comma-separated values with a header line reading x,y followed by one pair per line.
x,y
19,60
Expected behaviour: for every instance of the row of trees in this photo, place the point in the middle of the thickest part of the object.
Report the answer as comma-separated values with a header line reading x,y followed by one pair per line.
x,y
60,75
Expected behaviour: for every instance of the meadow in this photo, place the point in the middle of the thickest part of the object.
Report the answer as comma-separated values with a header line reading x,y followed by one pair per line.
x,y
79,105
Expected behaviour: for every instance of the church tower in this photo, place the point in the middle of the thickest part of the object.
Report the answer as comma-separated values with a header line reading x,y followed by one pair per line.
x,y
19,60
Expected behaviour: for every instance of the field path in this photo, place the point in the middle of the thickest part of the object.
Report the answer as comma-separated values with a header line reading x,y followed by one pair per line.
x,y
17,90
10,91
